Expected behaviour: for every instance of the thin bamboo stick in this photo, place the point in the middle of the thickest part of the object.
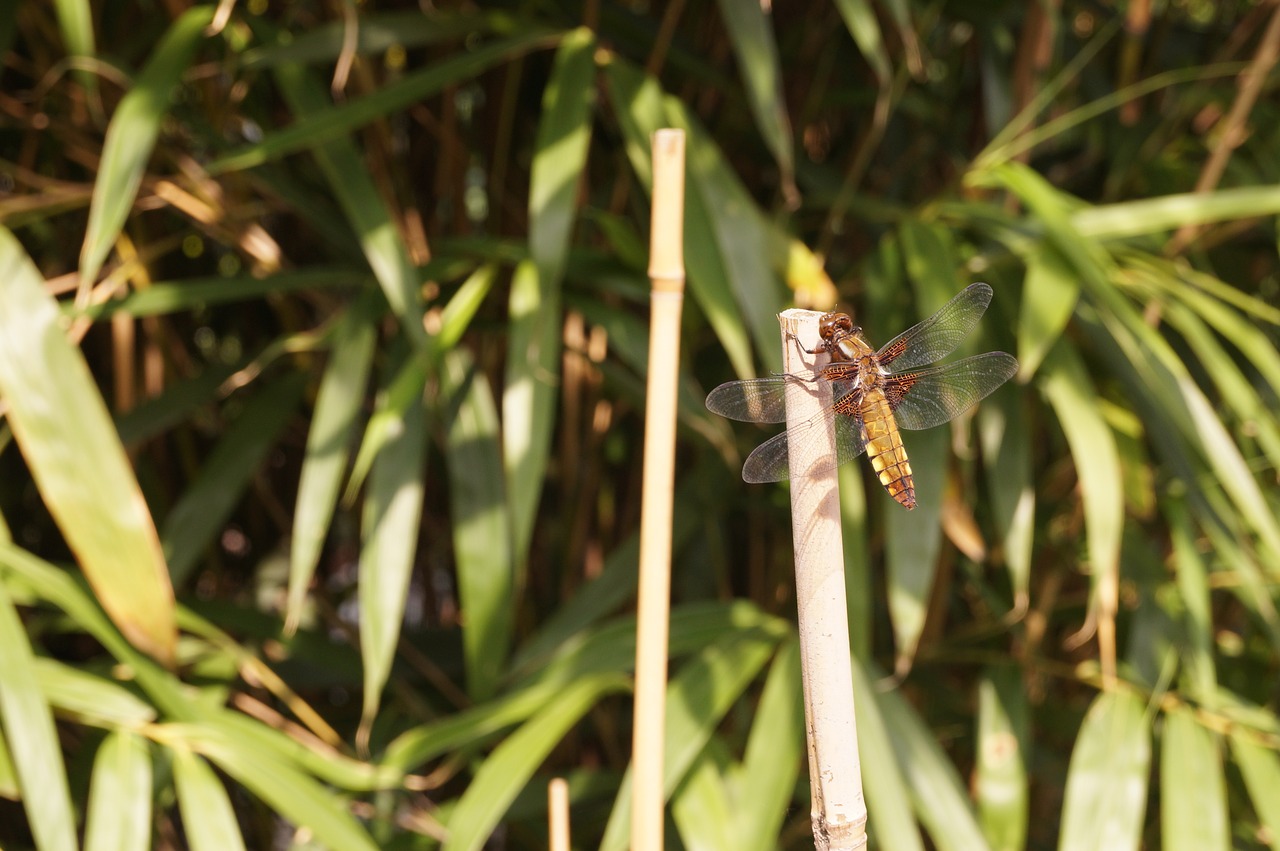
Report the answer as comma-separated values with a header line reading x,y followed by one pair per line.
x,y
558,814
839,812
666,272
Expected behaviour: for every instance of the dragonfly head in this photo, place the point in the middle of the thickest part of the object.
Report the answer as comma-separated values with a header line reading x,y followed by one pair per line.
x,y
833,327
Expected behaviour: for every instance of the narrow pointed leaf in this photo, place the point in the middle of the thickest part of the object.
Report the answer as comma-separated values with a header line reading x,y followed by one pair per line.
x,y
1193,788
71,447
751,33
119,817
132,135
207,814
1001,773
1049,297
1106,795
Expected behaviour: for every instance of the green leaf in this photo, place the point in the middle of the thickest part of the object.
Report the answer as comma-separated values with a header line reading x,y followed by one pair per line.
x,y
119,816
71,447
1169,212
1006,440
637,101
389,548
207,815
775,749
697,698
339,403
889,807
90,698
1000,779
277,782
1193,788
207,502
941,802
336,121
1260,767
701,809
506,771
1106,793
1067,387
481,530
860,20
751,35
349,179
31,736
132,135
1049,297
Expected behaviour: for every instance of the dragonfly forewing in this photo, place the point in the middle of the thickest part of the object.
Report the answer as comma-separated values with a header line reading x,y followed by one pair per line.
x,y
940,334
755,400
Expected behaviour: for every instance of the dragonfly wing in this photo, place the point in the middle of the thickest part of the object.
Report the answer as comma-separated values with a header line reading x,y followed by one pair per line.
x,y
937,336
770,461
931,397
756,400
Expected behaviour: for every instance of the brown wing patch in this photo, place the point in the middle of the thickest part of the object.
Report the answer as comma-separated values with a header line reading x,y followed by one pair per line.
x,y
896,388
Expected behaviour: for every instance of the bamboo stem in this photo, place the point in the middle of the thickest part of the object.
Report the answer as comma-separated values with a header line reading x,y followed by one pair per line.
x,y
666,272
839,812
558,814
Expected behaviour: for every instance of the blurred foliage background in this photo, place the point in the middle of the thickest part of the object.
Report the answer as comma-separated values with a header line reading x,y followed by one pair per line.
x,y
322,353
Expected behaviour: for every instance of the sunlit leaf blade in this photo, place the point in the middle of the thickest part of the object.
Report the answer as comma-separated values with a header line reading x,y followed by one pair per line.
x,y
349,178
773,755
338,404
1066,385
860,20
1001,783
1006,452
389,529
207,815
337,121
506,771
277,782
1193,587
481,530
163,297
1169,212
1260,767
1106,792
914,540
209,500
701,810
751,33
1049,297
637,100
70,444
890,816
78,693
32,738
697,698
75,21
119,816
941,803
132,135
1193,788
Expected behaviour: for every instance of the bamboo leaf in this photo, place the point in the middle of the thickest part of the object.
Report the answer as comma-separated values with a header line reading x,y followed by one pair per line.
x,y
119,816
697,699
31,736
338,404
90,697
889,806
637,100
349,179
1107,779
1193,788
506,771
207,815
278,783
1260,767
337,121
1001,772
773,755
1066,385
481,531
1049,297
1006,450
208,501
751,35
389,529
74,454
132,135
701,809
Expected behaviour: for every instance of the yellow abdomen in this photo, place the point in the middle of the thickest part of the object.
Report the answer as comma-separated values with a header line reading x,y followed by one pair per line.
x,y
885,450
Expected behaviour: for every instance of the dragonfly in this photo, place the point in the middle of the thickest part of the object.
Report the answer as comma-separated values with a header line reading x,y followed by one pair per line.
x,y
874,394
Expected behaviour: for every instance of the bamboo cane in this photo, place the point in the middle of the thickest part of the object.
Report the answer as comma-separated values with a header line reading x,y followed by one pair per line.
x,y
558,814
839,812
666,272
